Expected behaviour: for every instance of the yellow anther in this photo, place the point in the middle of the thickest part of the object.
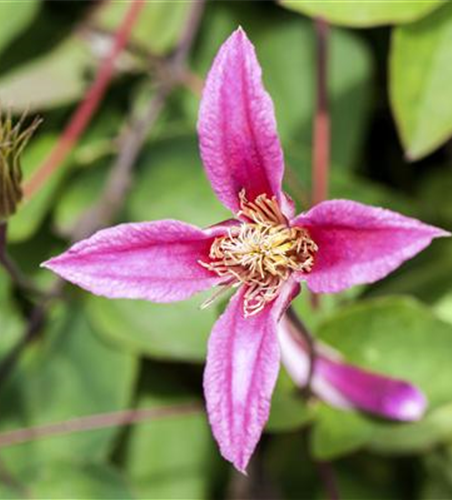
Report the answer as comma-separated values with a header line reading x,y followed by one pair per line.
x,y
261,254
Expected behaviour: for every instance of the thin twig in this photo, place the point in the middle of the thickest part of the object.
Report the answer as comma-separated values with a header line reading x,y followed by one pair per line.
x,y
321,132
328,477
306,340
10,266
321,135
97,421
119,179
88,106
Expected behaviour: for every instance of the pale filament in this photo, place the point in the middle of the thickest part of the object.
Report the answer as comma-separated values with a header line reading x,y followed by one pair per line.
x,y
260,254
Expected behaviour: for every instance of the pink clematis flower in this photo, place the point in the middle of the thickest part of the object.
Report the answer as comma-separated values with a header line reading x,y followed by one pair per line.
x,y
264,252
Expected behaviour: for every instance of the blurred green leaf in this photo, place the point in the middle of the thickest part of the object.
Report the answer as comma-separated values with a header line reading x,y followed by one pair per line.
x,y
164,331
417,437
19,16
421,82
366,13
395,336
172,184
289,410
51,80
158,28
173,457
338,433
12,323
68,374
70,480
78,197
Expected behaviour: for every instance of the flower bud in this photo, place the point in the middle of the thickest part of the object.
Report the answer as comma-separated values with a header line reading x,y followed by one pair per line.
x,y
13,140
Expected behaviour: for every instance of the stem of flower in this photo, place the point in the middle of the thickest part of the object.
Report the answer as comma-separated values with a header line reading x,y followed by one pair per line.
x,y
321,129
88,106
328,478
321,132
97,421
10,266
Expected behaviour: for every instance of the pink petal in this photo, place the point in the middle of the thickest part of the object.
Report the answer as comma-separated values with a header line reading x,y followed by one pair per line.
x,y
374,393
156,261
346,386
360,244
237,128
241,371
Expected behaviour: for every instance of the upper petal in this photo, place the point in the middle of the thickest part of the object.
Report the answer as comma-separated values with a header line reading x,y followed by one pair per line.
x,y
359,243
237,127
241,371
156,261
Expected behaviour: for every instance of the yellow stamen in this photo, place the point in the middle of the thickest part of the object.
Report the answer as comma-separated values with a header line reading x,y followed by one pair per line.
x,y
261,254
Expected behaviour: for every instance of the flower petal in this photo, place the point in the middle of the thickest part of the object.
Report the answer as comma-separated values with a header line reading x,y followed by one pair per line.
x,y
241,371
237,128
371,392
346,386
156,261
360,244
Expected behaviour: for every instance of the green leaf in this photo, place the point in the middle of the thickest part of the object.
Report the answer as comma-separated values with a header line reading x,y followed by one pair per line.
x,y
172,457
363,14
19,16
158,28
289,410
12,323
398,337
51,80
172,184
68,374
417,437
70,480
338,433
165,331
421,82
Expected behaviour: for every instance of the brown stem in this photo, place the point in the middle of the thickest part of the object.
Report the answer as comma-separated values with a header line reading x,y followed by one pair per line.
x,y
11,267
328,477
321,129
321,132
83,114
97,421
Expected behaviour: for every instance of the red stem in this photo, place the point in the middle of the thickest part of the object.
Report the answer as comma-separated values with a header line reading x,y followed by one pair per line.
x,y
321,132
88,105
97,421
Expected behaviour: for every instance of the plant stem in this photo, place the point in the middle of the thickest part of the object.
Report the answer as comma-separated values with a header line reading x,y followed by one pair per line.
x,y
97,421
10,266
321,132
88,106
326,473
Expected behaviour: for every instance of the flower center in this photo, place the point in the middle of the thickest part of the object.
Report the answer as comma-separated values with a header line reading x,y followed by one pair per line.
x,y
261,254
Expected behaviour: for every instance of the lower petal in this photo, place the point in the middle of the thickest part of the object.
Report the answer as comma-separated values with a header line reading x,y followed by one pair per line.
x,y
156,261
241,372
346,386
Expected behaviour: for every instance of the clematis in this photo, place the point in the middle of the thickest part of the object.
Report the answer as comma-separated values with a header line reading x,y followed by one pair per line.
x,y
264,251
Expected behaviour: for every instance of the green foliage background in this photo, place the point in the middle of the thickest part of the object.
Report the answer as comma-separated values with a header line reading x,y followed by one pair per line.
x,y
390,89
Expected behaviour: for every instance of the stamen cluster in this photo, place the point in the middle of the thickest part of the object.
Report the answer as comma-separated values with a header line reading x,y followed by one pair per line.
x,y
261,253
